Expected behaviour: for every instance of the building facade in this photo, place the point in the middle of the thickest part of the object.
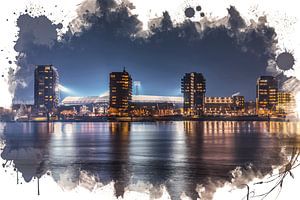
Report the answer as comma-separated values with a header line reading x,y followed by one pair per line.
x,y
225,105
46,93
120,93
286,104
141,105
193,87
239,103
250,108
266,95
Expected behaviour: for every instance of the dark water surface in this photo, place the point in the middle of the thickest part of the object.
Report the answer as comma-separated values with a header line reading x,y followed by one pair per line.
x,y
179,155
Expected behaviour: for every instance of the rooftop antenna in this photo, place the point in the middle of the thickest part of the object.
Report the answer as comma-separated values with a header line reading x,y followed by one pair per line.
x,y
124,69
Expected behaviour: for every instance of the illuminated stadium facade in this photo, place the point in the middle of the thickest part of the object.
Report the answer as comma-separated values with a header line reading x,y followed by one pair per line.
x,y
141,105
68,101
145,105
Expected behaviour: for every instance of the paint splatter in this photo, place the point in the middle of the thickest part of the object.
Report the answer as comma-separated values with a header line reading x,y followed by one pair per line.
x,y
285,60
189,12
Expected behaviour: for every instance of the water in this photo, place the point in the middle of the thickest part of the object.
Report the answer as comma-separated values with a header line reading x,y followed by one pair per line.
x,y
179,155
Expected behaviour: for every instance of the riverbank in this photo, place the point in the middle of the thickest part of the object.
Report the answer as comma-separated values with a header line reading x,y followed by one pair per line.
x,y
163,118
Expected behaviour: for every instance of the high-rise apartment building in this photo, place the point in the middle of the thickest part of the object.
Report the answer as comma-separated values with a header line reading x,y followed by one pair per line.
x,y
120,93
193,87
266,95
46,94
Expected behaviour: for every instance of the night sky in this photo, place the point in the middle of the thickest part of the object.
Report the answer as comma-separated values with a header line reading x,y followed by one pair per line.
x,y
230,55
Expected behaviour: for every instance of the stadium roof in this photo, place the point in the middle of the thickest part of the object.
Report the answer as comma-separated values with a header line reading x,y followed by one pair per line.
x,y
84,100
135,98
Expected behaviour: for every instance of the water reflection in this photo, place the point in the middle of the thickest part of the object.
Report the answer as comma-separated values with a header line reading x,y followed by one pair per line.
x,y
179,155
27,145
118,164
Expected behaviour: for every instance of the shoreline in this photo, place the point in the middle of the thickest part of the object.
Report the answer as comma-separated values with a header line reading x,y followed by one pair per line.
x,y
163,118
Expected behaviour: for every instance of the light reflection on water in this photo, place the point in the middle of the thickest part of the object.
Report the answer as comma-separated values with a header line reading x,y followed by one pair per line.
x,y
179,155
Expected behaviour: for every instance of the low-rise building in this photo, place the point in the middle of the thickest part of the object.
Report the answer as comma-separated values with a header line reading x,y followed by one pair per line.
x,y
225,105
286,103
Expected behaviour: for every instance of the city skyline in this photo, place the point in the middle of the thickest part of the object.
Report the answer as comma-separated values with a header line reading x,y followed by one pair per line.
x,y
260,82
121,102
103,84
69,91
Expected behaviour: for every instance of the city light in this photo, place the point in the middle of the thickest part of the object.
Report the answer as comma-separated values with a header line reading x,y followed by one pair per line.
x,y
236,94
65,89
104,94
137,86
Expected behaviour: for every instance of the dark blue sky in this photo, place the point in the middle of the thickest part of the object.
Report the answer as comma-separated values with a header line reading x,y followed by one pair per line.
x,y
230,59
